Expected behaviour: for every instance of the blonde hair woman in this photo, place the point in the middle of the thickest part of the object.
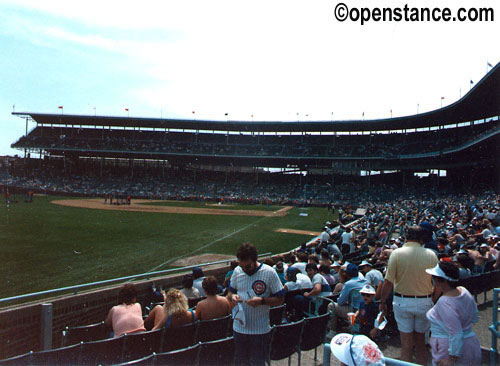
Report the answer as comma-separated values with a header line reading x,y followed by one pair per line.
x,y
173,313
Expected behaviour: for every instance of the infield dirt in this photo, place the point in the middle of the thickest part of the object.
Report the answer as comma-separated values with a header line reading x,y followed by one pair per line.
x,y
139,206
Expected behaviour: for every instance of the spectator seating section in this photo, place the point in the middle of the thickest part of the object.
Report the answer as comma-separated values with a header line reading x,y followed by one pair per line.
x,y
185,356
285,341
85,333
219,352
213,329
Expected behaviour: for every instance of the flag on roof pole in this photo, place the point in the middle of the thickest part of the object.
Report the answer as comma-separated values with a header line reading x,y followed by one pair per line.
x,y
126,109
60,107
226,114
442,98
490,65
193,112
471,82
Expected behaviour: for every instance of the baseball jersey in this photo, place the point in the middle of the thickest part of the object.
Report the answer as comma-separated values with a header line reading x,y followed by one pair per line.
x,y
263,283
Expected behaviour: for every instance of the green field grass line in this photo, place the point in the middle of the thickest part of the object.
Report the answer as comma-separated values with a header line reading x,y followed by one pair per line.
x,y
207,245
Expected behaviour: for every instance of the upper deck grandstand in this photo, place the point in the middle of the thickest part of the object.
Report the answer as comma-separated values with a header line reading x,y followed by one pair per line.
x,y
461,138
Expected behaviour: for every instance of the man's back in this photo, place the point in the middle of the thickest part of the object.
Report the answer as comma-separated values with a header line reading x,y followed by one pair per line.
x,y
406,269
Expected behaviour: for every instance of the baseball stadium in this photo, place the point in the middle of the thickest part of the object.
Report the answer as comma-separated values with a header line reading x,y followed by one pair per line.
x,y
93,202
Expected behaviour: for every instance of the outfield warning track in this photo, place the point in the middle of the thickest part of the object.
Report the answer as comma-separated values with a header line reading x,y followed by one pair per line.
x,y
142,206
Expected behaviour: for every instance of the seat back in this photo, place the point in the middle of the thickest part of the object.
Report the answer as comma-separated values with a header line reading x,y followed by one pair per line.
x,y
179,337
285,340
314,331
276,315
69,355
106,352
84,333
219,352
139,345
193,302
20,360
148,360
185,356
210,330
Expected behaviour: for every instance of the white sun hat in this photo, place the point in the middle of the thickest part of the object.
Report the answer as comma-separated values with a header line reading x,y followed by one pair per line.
x,y
438,272
355,350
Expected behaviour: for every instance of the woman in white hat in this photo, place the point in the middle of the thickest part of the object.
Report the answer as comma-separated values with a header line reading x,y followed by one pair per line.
x,y
452,339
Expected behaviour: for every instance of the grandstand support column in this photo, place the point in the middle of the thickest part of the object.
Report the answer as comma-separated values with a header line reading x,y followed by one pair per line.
x,y
102,163
46,327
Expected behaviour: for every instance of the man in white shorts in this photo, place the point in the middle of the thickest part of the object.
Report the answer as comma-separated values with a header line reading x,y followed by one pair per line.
x,y
413,292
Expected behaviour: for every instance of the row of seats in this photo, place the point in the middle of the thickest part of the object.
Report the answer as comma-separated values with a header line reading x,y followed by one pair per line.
x,y
200,331
140,349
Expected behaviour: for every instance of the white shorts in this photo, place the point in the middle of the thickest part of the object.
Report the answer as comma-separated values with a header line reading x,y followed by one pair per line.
x,y
410,313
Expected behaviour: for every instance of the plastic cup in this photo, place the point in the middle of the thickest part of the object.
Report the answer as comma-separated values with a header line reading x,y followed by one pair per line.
x,y
351,317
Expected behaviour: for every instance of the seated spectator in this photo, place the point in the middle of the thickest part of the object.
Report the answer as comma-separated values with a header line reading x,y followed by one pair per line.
x,y
173,313
280,271
127,316
302,261
187,288
319,283
373,276
325,258
343,304
367,313
296,280
227,279
213,306
324,270
198,277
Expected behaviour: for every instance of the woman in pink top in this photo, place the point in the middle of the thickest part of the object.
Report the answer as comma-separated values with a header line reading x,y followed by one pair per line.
x,y
127,316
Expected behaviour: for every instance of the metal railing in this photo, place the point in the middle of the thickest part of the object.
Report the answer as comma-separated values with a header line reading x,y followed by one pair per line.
x,y
495,334
146,275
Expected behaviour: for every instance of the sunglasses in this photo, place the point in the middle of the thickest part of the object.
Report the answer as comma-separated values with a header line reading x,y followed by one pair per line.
x,y
367,295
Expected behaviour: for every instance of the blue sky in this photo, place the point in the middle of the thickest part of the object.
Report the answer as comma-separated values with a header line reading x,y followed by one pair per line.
x,y
269,59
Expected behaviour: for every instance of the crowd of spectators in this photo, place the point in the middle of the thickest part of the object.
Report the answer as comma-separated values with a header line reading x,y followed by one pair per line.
x,y
457,235
370,145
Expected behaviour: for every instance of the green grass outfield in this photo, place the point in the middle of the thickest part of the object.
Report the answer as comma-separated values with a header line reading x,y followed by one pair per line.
x,y
45,246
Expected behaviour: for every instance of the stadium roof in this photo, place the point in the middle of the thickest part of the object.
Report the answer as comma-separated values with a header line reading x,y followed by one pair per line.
x,y
482,101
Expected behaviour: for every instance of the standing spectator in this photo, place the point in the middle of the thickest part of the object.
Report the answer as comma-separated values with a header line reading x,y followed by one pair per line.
x,y
347,241
412,293
453,341
257,287
187,288
127,316
213,306
198,277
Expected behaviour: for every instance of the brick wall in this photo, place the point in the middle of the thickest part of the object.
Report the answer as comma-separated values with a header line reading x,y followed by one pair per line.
x,y
20,324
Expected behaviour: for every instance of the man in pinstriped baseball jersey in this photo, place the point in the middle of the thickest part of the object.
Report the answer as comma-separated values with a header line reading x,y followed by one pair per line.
x,y
257,287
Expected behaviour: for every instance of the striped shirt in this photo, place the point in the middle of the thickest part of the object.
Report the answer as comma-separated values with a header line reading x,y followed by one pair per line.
x,y
263,283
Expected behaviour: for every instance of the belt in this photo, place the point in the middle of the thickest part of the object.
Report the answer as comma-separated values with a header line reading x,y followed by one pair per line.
x,y
411,296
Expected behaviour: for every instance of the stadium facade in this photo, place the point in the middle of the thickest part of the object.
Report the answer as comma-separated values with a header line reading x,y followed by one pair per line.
x,y
461,139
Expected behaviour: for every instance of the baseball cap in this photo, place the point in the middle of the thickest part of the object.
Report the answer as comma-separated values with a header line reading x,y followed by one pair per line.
x,y
197,271
426,226
367,289
365,263
356,350
352,269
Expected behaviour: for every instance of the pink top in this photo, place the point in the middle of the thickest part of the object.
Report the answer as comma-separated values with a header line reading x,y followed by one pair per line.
x,y
127,319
